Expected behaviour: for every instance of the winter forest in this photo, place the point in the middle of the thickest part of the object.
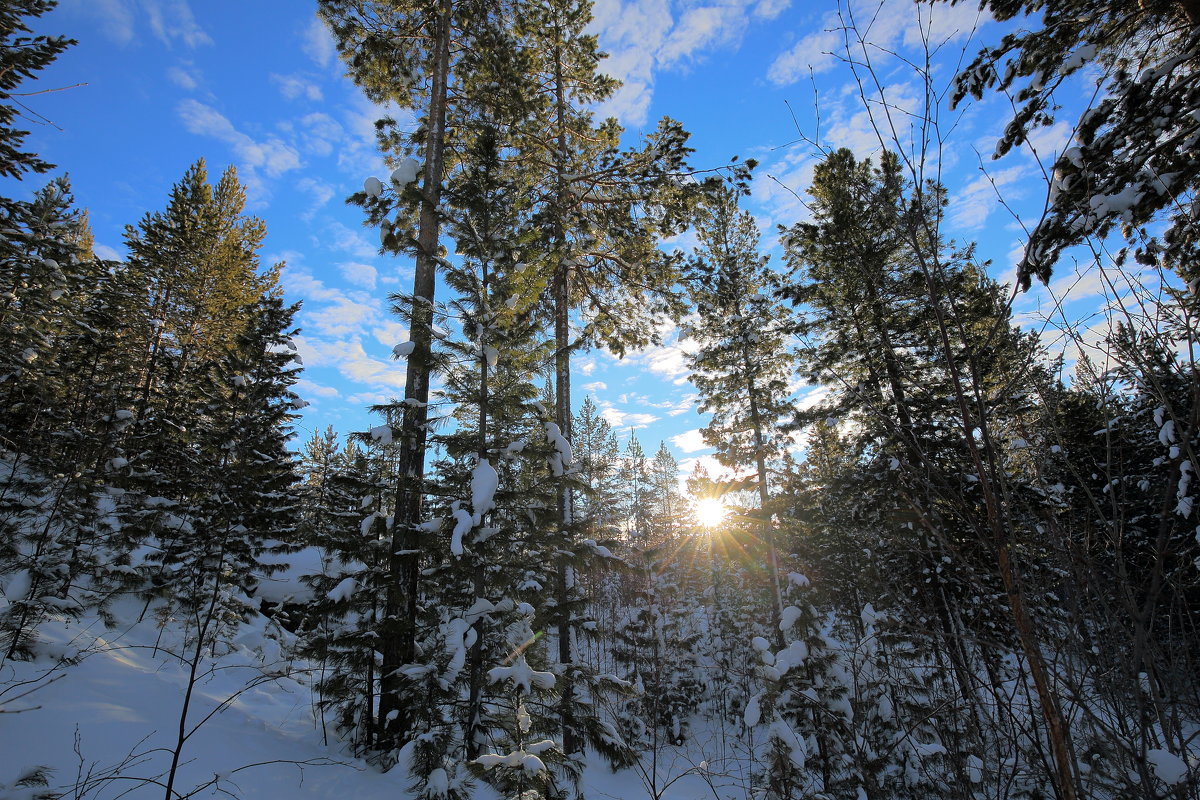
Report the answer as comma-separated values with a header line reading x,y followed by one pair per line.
x,y
970,570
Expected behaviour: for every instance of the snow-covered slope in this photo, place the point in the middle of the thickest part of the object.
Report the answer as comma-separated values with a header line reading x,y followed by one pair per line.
x,y
112,720
106,726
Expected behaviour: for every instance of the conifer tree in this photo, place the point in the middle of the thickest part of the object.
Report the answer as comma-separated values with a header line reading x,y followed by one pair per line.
x,y
402,52
668,512
598,454
597,212
1132,158
239,500
21,57
916,341
740,366
198,263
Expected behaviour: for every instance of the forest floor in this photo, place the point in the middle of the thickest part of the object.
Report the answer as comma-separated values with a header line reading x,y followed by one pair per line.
x,y
106,726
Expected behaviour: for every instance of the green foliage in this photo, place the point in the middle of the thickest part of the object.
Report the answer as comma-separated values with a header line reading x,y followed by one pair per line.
x,y
21,57
1132,161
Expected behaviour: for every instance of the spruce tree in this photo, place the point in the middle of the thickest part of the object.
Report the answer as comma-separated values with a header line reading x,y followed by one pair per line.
x,y
21,57
598,454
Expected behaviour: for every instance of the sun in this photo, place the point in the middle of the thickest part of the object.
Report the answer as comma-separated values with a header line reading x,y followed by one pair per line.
x,y
710,512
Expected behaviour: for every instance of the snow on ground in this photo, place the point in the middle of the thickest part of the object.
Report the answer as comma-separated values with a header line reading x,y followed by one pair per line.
x,y
120,707
124,699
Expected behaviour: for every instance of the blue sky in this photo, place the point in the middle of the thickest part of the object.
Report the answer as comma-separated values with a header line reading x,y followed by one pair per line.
x,y
258,85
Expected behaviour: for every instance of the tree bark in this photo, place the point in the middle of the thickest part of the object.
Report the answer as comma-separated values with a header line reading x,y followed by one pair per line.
x,y
399,625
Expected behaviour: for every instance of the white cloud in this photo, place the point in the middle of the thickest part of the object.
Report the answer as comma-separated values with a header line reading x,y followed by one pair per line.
x,y
595,387
293,86
690,441
1049,142
642,36
389,334
779,188
173,19
812,54
350,359
350,241
320,192
815,396
707,26
340,319
183,78
668,360
116,17
307,389
358,366
770,9
680,406
106,253
622,420
322,133
317,42
271,155
886,27
359,274
978,199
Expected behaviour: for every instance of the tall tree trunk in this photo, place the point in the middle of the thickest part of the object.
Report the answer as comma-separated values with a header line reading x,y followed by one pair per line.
x,y
562,398
399,624
983,458
767,531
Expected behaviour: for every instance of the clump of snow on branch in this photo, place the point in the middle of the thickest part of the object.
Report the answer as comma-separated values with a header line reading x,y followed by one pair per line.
x,y
563,456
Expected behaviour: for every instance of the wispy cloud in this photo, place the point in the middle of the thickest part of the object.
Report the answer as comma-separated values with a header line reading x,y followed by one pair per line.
x,y
320,192
272,155
813,54
173,20
185,78
294,86
309,389
622,419
351,242
116,17
106,253
644,36
972,206
352,361
886,26
317,42
668,360
359,274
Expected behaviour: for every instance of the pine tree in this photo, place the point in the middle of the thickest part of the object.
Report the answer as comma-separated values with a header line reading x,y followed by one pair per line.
x,y
916,341
667,519
598,454
1132,161
401,52
198,262
740,366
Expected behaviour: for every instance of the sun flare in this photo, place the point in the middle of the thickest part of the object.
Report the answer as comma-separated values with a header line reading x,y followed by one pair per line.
x,y
710,512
